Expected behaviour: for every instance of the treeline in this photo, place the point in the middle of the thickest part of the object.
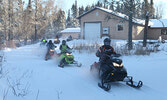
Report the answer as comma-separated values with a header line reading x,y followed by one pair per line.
x,y
140,8
33,21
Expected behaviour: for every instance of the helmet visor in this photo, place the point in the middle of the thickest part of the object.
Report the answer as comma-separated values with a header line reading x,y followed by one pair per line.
x,y
107,43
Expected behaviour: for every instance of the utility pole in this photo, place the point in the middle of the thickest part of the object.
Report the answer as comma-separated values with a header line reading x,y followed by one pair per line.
x,y
146,30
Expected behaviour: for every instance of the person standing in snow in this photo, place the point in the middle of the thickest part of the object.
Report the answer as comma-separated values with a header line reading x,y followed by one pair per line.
x,y
103,53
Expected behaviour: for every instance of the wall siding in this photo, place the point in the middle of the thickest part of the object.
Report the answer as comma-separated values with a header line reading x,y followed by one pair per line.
x,y
112,23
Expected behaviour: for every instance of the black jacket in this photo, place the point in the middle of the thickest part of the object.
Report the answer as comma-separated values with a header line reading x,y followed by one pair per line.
x,y
104,50
50,46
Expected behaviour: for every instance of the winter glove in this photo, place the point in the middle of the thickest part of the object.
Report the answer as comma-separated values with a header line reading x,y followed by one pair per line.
x,y
103,56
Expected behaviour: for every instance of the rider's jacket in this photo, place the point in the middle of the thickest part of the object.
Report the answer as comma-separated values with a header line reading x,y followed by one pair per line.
x,y
103,51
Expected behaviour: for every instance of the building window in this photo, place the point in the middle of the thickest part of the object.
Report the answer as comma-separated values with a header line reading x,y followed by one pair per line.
x,y
163,31
97,13
105,30
120,27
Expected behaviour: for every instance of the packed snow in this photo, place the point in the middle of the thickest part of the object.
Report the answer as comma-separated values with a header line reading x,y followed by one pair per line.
x,y
72,30
27,76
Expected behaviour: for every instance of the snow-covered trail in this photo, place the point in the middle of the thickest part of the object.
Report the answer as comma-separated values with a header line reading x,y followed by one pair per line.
x,y
46,81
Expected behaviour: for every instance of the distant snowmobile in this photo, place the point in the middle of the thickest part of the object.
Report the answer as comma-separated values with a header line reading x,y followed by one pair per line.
x,y
117,73
50,54
56,41
68,58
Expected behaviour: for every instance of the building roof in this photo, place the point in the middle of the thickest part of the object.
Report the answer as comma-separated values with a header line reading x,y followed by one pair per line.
x,y
158,23
70,30
137,21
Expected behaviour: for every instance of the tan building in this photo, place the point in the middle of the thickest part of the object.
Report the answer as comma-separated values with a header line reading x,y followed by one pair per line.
x,y
157,29
74,32
100,22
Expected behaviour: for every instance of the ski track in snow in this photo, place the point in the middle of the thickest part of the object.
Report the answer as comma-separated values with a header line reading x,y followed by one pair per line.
x,y
27,65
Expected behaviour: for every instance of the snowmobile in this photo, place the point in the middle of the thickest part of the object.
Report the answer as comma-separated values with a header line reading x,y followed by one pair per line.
x,y
50,53
69,38
117,73
56,41
68,58
43,43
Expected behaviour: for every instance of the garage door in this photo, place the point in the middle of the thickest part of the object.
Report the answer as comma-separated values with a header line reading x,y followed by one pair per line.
x,y
92,31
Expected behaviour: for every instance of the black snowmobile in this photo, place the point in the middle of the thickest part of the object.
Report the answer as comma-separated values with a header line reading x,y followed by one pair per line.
x,y
117,72
50,53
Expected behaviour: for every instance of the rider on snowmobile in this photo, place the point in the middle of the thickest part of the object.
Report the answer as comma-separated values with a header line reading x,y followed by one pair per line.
x,y
49,46
102,53
63,48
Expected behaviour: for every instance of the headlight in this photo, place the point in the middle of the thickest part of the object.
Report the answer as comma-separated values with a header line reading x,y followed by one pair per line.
x,y
117,65
55,39
51,50
68,54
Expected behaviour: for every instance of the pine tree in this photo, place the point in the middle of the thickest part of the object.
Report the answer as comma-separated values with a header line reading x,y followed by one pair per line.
x,y
112,5
59,22
99,4
81,10
87,8
118,8
75,14
68,21
93,6
152,12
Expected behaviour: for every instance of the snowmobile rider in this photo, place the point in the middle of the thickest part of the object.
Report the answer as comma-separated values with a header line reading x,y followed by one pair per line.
x,y
63,47
102,53
43,41
49,46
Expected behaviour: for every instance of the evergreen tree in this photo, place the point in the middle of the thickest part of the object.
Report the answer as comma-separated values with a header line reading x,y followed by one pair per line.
x,y
99,4
87,8
105,4
68,21
118,8
93,6
81,10
59,22
75,14
145,8
152,11
112,5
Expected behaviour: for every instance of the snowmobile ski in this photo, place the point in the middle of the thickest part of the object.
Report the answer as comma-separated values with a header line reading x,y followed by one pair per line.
x,y
133,83
105,86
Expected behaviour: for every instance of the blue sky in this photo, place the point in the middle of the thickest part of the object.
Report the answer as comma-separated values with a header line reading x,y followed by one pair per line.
x,y
66,4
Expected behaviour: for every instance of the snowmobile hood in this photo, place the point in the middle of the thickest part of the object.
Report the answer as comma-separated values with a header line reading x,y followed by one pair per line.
x,y
118,61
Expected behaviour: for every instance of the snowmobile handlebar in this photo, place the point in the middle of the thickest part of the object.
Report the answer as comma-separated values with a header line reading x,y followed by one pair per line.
x,y
112,55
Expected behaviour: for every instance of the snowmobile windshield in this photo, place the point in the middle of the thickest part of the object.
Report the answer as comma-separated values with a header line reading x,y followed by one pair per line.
x,y
68,51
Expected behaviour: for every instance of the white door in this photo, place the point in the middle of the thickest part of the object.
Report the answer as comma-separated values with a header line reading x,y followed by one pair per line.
x,y
92,31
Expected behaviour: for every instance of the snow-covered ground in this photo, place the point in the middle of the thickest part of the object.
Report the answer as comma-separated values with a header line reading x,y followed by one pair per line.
x,y
27,76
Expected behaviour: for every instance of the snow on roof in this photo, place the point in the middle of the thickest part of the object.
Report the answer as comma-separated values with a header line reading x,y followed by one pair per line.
x,y
138,21
158,23
72,30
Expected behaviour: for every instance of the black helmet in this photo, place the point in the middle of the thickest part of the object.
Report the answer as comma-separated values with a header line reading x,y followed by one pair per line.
x,y
50,41
107,41
63,42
